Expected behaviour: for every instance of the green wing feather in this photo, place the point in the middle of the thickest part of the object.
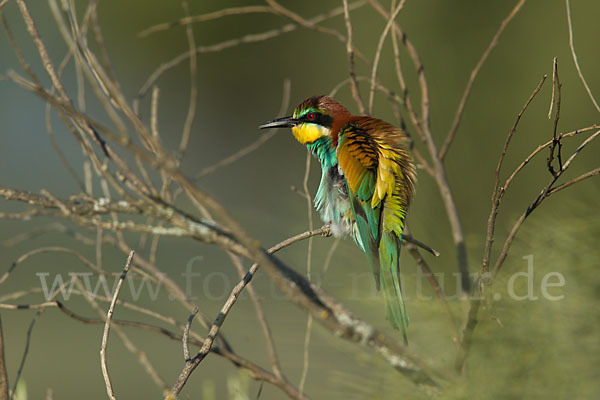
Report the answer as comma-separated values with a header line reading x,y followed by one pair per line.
x,y
380,178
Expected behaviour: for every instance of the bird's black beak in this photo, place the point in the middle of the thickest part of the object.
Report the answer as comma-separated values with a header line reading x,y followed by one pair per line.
x,y
285,122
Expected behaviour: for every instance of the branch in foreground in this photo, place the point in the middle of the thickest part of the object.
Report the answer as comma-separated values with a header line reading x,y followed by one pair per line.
x,y
329,312
191,364
255,371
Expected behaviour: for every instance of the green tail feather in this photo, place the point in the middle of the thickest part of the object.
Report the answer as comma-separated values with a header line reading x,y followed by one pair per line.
x,y
389,257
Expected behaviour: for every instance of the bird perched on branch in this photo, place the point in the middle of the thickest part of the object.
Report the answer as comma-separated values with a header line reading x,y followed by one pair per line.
x,y
367,182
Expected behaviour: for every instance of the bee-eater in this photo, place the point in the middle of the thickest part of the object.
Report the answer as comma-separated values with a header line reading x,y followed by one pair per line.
x,y
367,182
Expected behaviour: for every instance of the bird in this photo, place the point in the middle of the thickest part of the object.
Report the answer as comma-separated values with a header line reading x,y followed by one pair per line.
x,y
368,179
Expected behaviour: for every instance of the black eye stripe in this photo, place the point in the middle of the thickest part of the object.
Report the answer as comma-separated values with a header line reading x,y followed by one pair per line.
x,y
318,118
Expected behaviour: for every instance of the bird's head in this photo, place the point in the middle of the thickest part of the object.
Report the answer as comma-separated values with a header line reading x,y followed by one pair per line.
x,y
314,118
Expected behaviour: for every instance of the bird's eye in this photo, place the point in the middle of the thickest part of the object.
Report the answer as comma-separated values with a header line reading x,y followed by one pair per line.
x,y
310,116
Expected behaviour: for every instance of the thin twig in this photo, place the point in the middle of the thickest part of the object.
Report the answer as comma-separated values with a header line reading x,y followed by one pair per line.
x,y
438,167
250,38
543,195
3,373
540,148
581,177
384,34
474,73
405,97
41,250
191,114
554,73
252,369
216,326
262,320
556,140
25,351
109,389
285,103
350,54
484,278
572,46
279,9
435,285
186,335
187,20
38,313
497,191
309,320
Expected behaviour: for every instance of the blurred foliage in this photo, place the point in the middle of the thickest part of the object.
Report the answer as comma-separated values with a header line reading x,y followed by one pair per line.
x,y
522,349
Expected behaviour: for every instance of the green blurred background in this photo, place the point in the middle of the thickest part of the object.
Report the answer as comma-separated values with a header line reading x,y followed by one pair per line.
x,y
541,349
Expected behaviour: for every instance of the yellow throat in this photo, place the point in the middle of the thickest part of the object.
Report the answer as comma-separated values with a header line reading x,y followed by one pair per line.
x,y
308,133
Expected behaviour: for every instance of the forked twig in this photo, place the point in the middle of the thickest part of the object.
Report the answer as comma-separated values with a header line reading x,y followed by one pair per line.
x,y
484,277
545,193
497,191
192,363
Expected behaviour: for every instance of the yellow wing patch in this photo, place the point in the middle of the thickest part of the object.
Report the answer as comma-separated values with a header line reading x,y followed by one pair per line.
x,y
388,171
356,157
373,146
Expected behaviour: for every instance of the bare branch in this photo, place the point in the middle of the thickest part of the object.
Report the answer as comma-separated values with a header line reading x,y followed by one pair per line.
x,y
309,320
191,364
350,53
474,73
252,369
572,46
41,250
189,119
187,20
543,146
107,381
484,278
414,252
250,38
556,142
581,177
260,315
384,34
543,195
498,192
